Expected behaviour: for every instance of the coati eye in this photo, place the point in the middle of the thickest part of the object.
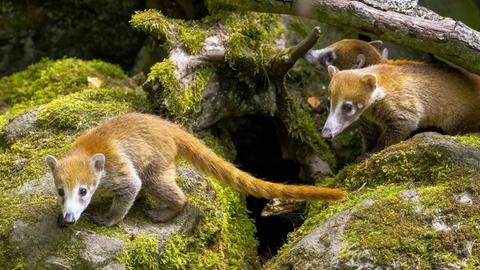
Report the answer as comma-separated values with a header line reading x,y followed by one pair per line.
x,y
82,191
347,107
61,192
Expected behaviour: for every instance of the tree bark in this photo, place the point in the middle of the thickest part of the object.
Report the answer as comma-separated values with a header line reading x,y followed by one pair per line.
x,y
402,22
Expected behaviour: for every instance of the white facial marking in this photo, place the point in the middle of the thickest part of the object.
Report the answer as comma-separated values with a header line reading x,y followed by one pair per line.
x,y
333,122
378,94
74,203
360,105
341,117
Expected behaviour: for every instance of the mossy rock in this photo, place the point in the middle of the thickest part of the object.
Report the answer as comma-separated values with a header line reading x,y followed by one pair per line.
x,y
414,205
213,232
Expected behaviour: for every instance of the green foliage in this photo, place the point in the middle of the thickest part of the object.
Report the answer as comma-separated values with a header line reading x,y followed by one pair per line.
x,y
251,44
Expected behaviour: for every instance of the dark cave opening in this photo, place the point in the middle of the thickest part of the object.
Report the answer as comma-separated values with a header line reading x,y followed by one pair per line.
x,y
259,153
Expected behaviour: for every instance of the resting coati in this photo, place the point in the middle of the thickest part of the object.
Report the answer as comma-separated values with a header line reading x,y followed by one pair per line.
x,y
351,54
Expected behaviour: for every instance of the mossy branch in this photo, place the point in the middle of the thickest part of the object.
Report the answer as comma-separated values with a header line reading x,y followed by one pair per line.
x,y
283,63
404,23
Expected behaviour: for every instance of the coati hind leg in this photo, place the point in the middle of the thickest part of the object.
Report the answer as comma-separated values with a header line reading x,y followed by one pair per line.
x,y
159,181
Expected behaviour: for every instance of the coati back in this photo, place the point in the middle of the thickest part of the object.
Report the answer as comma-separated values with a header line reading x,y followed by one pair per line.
x,y
137,150
402,98
351,54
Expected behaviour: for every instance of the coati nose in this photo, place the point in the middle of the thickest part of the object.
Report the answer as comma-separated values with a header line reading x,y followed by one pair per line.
x,y
327,133
69,218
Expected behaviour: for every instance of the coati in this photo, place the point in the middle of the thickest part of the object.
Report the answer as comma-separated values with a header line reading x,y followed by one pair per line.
x,y
402,98
137,150
351,54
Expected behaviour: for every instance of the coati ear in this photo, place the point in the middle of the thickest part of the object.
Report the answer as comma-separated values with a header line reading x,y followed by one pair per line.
x,y
360,61
385,53
51,162
332,70
370,80
377,44
98,162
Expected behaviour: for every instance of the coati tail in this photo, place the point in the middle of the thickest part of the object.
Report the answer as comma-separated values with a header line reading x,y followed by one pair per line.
x,y
202,157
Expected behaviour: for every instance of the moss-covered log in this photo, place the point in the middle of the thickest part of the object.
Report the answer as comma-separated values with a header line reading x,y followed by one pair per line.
x,y
403,22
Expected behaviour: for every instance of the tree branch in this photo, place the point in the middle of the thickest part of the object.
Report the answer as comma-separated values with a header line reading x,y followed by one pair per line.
x,y
285,62
406,24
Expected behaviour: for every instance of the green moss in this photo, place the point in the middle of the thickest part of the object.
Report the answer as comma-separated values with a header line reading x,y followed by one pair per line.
x,y
221,144
141,253
470,139
351,143
397,164
302,126
43,81
318,212
404,235
170,32
178,100
86,109
68,247
251,43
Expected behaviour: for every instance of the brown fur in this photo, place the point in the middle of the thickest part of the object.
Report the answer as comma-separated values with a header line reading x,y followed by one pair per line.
x,y
344,54
148,146
347,51
416,96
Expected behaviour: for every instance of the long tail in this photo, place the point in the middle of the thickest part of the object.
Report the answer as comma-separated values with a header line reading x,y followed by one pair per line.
x,y
202,157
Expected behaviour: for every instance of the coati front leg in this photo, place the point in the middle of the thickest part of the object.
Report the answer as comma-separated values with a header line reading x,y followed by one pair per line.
x,y
159,181
395,131
125,192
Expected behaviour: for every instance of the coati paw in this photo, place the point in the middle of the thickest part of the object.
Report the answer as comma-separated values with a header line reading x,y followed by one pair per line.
x,y
60,222
101,220
161,215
